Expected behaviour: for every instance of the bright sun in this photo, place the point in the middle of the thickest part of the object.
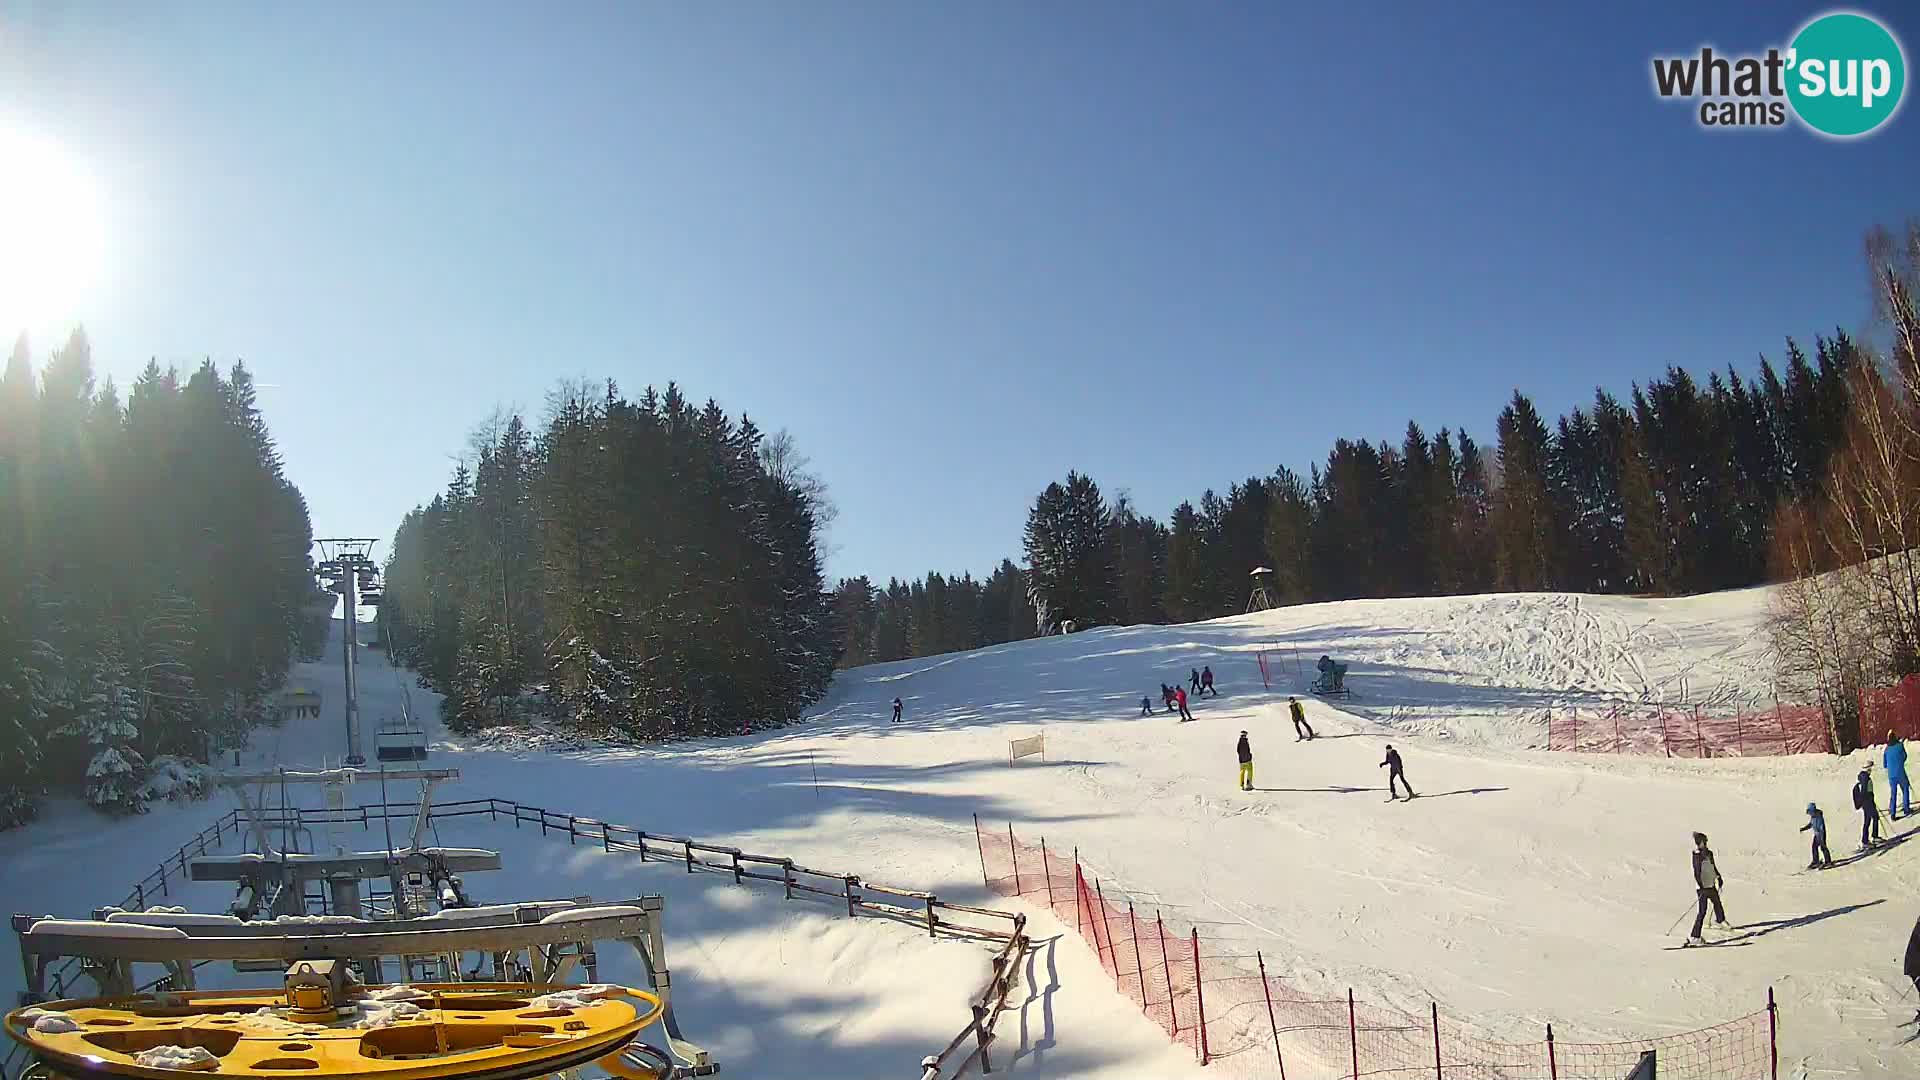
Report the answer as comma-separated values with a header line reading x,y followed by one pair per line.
x,y
52,238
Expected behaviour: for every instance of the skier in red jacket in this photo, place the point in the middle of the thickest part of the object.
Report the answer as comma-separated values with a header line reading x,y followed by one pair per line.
x,y
1180,699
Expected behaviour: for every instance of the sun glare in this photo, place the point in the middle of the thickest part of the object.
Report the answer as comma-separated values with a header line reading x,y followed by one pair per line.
x,y
52,238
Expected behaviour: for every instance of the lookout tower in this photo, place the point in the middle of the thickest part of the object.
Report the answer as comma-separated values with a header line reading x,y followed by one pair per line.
x,y
1262,596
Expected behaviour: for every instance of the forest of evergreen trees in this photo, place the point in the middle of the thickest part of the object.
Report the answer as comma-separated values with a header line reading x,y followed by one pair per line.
x,y
1673,490
645,568
156,581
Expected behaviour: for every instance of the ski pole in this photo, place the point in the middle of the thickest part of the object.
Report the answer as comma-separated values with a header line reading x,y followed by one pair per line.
x,y
1676,922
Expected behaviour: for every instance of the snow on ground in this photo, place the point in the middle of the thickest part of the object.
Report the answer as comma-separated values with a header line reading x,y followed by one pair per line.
x,y
1522,887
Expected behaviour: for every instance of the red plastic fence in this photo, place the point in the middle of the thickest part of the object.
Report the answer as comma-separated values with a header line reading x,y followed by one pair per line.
x,y
1225,1005
1687,731
1895,708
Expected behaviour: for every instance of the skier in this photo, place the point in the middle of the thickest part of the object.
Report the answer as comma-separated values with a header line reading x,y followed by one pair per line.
x,y
1817,823
1146,706
896,710
1193,679
1206,682
1869,808
1246,762
1166,696
1395,772
1300,720
1706,881
1897,785
1180,699
1911,968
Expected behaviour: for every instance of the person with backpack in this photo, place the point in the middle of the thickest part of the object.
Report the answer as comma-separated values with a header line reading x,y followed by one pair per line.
x,y
1299,714
1395,772
1166,696
1246,762
1869,807
1706,883
1180,699
1817,823
1897,786
1206,682
1193,679
896,710
1911,968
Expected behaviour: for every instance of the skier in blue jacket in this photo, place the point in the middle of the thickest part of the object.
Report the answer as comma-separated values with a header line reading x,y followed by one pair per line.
x,y
1898,789
1817,823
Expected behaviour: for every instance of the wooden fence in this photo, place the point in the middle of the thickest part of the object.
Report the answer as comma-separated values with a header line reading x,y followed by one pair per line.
x,y
859,895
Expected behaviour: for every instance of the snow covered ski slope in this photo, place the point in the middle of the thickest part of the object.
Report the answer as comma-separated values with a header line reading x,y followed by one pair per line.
x,y
1521,887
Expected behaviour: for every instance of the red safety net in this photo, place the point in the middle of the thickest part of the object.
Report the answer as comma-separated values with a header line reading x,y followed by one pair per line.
x,y
1893,708
1689,731
1225,1005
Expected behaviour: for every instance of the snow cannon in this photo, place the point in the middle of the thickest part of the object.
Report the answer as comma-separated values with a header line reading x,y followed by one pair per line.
x,y
1333,678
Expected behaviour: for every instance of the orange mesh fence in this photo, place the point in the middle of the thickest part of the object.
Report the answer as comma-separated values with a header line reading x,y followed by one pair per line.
x,y
1687,731
1234,1006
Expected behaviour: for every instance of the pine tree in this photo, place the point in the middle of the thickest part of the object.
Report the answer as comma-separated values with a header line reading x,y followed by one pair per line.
x,y
1068,553
1525,526
1290,538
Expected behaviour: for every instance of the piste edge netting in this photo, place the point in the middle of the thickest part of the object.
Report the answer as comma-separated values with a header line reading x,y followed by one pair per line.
x,y
1228,1005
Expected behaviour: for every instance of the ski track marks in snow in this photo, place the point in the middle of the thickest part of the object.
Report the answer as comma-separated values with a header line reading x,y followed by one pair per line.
x,y
1539,891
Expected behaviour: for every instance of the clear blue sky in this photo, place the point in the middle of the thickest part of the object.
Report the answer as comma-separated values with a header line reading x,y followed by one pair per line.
x,y
957,249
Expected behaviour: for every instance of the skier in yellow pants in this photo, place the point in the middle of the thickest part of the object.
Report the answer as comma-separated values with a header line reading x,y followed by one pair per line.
x,y
1246,763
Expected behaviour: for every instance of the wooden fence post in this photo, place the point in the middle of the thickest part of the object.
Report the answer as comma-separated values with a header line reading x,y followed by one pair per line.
x,y
852,899
1046,871
1574,714
1665,743
1013,852
1353,1034
932,922
163,879
1079,891
1773,1036
1617,744
980,1036
1553,1063
982,845
1437,1074
1166,968
606,841
1272,1025
516,814
1115,960
736,868
1699,742
640,841
1139,969
786,876
689,844
1200,998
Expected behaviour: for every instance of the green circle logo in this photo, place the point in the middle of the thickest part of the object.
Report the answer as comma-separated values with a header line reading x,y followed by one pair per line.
x,y
1846,75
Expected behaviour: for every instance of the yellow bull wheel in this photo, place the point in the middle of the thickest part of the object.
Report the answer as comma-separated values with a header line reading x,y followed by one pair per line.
x,y
472,1031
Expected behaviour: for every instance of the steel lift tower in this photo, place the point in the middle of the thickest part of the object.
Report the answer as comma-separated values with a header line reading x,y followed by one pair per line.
x,y
347,567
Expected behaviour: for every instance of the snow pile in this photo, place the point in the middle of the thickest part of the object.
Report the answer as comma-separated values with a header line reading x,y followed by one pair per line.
x,y
49,1021
176,1057
177,779
577,997
267,1019
603,911
379,1014
398,992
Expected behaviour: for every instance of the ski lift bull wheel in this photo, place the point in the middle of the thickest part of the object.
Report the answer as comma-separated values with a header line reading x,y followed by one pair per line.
x,y
458,1031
